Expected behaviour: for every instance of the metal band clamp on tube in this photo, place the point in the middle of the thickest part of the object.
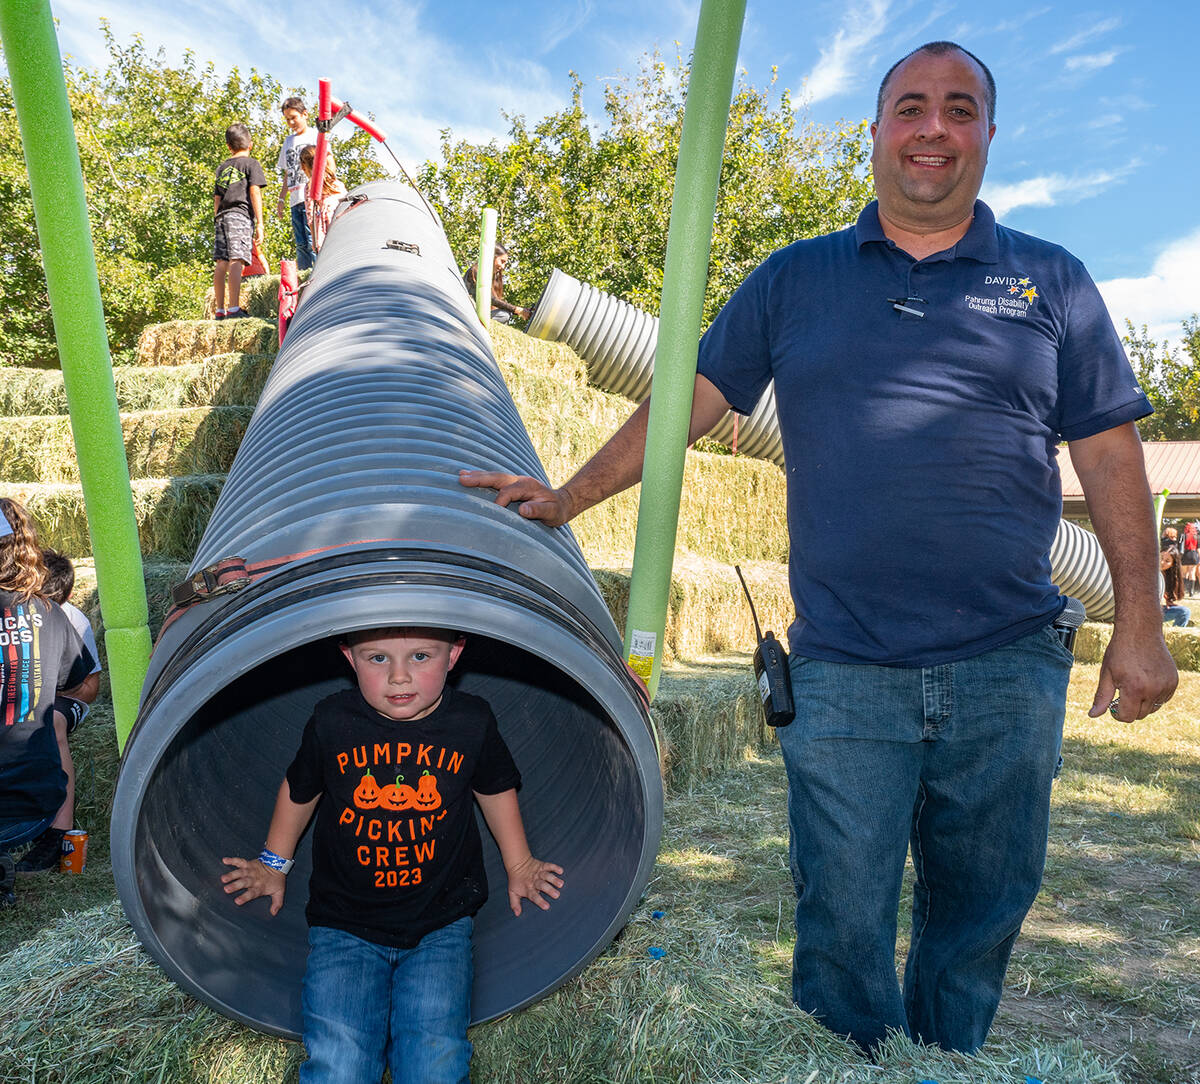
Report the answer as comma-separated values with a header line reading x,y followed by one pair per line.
x,y
385,388
618,343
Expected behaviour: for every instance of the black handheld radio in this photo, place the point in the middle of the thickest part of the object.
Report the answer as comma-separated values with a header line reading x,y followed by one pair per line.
x,y
771,670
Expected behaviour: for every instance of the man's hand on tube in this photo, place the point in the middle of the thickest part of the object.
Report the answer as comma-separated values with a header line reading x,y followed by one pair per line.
x,y
537,500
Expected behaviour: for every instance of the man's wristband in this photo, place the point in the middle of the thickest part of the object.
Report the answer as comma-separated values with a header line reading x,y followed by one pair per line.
x,y
276,862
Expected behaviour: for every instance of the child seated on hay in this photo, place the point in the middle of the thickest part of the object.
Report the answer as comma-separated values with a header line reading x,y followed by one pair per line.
x,y
390,913
41,657
69,712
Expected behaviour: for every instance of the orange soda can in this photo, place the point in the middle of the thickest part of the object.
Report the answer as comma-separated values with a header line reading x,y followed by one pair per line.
x,y
74,852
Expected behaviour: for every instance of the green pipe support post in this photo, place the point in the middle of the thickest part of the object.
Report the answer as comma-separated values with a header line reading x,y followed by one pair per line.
x,y
689,244
60,208
487,258
1160,505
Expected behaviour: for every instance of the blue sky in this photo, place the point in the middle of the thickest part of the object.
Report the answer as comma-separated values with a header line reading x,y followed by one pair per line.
x,y
1095,145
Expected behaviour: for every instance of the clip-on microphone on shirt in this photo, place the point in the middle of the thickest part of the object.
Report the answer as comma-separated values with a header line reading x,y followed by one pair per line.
x,y
902,304
771,670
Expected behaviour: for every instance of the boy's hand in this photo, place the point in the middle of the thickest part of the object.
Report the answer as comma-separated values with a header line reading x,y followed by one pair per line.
x,y
529,879
258,234
253,879
281,210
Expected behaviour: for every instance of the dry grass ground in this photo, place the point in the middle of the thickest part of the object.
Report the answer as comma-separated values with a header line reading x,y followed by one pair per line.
x,y
1102,989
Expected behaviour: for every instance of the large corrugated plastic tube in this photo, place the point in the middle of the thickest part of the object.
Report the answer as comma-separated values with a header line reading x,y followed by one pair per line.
x,y
385,388
617,342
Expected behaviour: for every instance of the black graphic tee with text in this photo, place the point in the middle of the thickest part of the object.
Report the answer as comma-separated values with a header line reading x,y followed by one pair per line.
x,y
396,851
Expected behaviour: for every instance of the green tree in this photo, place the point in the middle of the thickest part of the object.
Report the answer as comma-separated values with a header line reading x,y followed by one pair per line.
x,y
1170,377
150,136
596,202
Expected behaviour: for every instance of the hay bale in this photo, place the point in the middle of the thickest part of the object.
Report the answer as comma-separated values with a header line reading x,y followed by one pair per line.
x,y
31,391
224,380
160,575
706,608
732,509
709,717
158,444
259,296
171,514
182,341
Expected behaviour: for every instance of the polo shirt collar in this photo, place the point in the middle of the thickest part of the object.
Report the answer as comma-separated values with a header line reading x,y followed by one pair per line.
x,y
978,243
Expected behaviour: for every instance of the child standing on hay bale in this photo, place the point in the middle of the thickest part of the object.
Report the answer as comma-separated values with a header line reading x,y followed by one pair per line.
x,y
320,212
237,206
41,655
69,712
389,970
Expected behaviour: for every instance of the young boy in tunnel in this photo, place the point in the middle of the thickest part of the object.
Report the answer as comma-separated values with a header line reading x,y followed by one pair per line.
x,y
392,769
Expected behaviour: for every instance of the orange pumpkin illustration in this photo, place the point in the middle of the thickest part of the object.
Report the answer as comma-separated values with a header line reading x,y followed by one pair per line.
x,y
427,797
398,795
366,794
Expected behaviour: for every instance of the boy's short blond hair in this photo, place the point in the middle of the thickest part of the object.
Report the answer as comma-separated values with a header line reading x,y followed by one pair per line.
x,y
451,636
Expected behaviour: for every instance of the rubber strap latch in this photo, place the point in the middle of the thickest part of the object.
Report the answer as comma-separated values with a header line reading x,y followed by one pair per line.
x,y
223,578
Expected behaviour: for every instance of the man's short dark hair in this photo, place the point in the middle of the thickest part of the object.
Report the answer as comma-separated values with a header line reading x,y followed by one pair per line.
x,y
941,48
60,576
237,137
294,103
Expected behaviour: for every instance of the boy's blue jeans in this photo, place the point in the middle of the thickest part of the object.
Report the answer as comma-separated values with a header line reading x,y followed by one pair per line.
x,y
366,1006
304,250
955,761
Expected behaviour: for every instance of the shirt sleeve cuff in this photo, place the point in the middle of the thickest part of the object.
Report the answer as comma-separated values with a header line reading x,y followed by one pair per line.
x,y
1128,412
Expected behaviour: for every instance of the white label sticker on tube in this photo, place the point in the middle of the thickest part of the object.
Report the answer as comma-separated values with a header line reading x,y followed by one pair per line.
x,y
641,653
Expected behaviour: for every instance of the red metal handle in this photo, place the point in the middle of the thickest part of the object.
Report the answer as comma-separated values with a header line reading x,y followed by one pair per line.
x,y
361,121
324,112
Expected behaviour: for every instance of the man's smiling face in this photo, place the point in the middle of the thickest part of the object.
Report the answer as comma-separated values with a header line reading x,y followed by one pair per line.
x,y
931,141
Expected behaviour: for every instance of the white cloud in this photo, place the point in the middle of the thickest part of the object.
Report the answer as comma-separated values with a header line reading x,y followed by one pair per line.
x,y
384,59
1051,189
569,18
839,66
1084,36
1160,300
1090,62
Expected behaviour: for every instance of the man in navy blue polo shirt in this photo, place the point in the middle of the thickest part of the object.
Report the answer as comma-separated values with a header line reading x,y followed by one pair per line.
x,y
931,361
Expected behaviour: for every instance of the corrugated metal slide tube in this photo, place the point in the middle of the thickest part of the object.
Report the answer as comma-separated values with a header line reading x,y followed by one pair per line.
x,y
617,342
385,388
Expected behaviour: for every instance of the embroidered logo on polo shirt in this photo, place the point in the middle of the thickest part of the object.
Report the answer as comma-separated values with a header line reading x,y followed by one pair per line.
x,y
1013,296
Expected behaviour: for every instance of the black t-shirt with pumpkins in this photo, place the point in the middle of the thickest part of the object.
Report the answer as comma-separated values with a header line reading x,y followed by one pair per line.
x,y
396,851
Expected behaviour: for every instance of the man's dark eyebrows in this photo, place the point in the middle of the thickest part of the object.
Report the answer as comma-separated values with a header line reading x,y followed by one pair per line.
x,y
951,96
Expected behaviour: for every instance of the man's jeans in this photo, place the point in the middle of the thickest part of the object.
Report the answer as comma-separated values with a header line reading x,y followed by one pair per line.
x,y
304,250
366,1005
955,760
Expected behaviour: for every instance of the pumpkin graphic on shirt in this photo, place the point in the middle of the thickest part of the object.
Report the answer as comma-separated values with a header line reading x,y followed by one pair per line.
x,y
397,796
426,797
366,794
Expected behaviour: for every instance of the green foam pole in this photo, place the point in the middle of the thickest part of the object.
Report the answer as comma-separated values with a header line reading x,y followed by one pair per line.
x,y
689,243
60,208
1160,504
487,258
